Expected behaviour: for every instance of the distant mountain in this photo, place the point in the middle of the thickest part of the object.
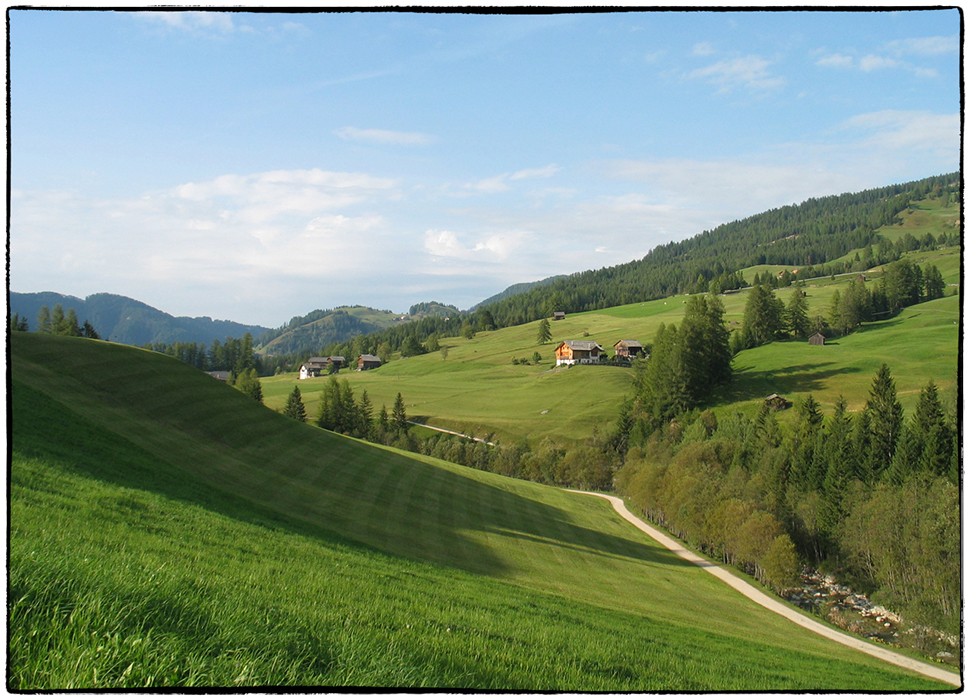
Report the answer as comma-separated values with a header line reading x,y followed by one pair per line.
x,y
320,328
129,321
519,288
813,233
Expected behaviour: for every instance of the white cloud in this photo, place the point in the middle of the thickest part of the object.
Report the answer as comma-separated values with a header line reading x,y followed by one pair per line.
x,y
190,21
924,46
835,60
703,48
495,248
872,62
547,171
381,136
490,185
750,72
916,133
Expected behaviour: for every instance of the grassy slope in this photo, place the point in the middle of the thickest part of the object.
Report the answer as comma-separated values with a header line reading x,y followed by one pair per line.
x,y
166,530
476,389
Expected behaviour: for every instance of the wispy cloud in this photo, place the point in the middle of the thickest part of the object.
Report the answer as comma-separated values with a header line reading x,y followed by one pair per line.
x,y
749,72
924,46
381,136
890,56
703,48
191,21
547,171
498,183
496,247
873,62
835,60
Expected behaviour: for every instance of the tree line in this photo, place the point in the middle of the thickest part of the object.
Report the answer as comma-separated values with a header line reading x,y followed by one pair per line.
x,y
56,322
872,497
809,234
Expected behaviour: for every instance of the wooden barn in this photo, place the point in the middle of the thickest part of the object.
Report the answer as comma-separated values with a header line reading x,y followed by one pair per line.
x,y
628,349
368,362
314,367
816,339
558,315
583,352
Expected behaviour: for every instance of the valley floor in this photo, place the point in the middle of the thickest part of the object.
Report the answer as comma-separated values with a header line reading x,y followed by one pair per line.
x,y
775,605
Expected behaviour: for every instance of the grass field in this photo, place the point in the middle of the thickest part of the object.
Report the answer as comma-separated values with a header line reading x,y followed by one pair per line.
x,y
166,530
477,390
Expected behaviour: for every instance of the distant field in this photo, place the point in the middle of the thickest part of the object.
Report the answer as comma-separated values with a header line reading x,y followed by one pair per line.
x,y
166,530
477,390
926,216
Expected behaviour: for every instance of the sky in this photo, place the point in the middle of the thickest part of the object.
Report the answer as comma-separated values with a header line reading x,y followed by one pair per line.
x,y
257,166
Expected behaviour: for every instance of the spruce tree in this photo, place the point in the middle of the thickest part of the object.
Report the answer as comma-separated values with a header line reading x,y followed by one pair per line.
x,y
398,415
545,333
294,406
44,323
796,314
886,416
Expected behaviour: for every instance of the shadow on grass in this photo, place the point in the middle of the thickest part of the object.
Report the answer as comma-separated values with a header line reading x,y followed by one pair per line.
x,y
749,384
351,496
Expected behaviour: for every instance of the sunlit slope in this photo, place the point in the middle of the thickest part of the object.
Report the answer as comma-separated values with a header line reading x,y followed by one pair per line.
x,y
136,478
920,344
475,389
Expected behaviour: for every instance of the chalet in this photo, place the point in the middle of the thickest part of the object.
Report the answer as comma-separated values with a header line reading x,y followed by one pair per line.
x,y
816,339
584,352
314,367
778,403
221,375
558,315
338,361
368,362
628,349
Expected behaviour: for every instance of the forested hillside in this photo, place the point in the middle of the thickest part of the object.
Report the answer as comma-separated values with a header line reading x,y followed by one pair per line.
x,y
129,321
321,328
812,233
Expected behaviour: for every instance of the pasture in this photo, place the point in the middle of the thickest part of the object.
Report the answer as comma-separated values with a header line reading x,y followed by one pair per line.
x,y
476,390
165,530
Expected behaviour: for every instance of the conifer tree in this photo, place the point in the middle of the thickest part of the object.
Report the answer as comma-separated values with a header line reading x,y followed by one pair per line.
x,y
294,406
398,415
886,416
44,323
796,314
545,333
248,383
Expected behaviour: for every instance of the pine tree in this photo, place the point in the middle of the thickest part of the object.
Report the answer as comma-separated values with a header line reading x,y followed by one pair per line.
x,y
44,323
365,413
545,333
886,415
294,406
398,415
762,315
837,455
796,314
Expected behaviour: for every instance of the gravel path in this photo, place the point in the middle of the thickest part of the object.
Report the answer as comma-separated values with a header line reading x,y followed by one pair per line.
x,y
775,605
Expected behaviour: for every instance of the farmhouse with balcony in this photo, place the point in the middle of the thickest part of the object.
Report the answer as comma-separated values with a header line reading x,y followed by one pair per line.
x,y
628,349
314,367
584,352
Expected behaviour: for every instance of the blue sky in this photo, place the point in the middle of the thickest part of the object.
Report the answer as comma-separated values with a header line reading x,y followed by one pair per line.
x,y
257,166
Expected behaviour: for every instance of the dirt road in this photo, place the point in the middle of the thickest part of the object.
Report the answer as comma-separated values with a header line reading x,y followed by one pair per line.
x,y
775,605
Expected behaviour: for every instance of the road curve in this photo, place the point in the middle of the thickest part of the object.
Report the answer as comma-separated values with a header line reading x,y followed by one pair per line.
x,y
773,604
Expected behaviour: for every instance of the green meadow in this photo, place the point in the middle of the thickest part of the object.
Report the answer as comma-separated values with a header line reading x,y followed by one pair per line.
x,y
165,531
475,388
